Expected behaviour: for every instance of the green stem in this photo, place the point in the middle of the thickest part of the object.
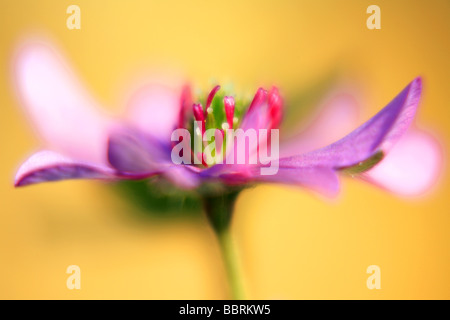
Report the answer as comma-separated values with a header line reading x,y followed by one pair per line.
x,y
231,259
219,210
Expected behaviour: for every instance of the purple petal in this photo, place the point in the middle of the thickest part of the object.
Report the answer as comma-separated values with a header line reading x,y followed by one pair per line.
x,y
132,151
377,134
50,166
229,172
136,154
63,112
320,179
182,176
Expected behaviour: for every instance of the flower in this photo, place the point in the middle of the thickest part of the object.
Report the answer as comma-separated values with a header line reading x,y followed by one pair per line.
x,y
84,143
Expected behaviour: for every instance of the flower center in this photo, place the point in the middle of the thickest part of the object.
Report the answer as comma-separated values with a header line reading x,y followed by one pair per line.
x,y
219,111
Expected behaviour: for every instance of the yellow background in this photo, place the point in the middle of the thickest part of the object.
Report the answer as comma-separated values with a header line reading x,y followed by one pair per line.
x,y
293,244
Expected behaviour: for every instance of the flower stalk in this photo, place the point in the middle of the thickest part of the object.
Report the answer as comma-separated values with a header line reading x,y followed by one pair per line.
x,y
219,211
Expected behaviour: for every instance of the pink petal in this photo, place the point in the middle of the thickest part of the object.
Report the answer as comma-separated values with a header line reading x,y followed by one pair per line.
x,y
63,112
155,109
411,168
51,166
257,116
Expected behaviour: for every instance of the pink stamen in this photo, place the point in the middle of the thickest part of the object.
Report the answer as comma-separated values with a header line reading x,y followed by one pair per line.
x,y
229,110
199,115
211,97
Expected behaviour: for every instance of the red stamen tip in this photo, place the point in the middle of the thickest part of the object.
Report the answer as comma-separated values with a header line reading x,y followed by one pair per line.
x,y
229,110
198,112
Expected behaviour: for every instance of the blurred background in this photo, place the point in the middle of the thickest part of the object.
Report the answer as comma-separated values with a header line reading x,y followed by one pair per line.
x,y
293,244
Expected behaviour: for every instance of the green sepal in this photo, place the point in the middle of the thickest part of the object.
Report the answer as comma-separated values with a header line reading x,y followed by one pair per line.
x,y
365,165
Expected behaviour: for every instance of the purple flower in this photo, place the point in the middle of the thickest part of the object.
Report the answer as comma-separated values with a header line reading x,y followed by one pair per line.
x,y
82,142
